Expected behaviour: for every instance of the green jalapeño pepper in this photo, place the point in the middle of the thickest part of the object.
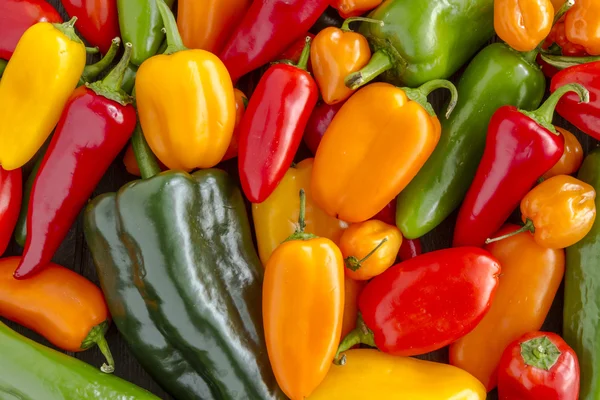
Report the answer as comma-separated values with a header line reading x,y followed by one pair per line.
x,y
30,371
183,282
496,77
581,326
141,25
423,40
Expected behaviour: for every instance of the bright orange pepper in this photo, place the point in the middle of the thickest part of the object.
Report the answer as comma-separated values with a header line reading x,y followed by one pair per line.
x,y
369,248
572,157
374,147
352,290
303,307
531,276
241,102
557,4
335,53
523,24
353,8
207,24
582,25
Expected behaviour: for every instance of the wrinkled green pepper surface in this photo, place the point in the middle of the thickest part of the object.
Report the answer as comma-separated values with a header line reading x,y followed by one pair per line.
x,y
30,371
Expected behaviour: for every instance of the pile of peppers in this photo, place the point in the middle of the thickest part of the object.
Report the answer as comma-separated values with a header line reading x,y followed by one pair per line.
x,y
290,162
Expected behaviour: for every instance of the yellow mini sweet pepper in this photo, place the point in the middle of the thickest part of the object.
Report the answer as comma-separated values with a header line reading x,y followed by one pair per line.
x,y
41,75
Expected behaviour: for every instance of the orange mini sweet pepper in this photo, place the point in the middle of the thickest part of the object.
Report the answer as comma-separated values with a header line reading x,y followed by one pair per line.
x,y
353,8
559,212
352,290
373,148
335,53
523,24
369,248
571,159
186,103
303,307
582,25
531,276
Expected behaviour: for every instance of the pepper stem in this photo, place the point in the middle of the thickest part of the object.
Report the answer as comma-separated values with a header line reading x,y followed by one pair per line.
x,y
143,154
545,113
528,227
303,61
360,335
540,353
110,86
174,41
563,10
91,72
92,50
3,64
96,337
346,25
420,94
67,29
299,234
379,63
353,263
562,62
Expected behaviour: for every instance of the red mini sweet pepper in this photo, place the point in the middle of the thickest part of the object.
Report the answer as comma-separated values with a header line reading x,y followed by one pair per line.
x,y
318,123
11,192
538,365
520,147
16,16
97,20
425,303
272,127
95,125
268,28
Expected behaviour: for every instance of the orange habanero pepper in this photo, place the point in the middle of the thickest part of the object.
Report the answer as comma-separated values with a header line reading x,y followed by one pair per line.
x,y
241,102
335,53
571,159
207,24
353,8
303,307
369,248
531,276
523,24
374,147
582,25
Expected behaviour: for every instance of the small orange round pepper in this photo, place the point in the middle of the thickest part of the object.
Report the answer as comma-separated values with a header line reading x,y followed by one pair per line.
x,y
369,248
354,8
582,25
303,308
559,212
241,102
335,53
572,157
523,24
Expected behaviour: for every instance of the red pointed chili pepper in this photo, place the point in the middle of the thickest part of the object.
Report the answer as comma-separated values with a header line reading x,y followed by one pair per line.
x,y
318,123
95,125
272,127
11,192
97,20
520,147
268,28
410,248
16,16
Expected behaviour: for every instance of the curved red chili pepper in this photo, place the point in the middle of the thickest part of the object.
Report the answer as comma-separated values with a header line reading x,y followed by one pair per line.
x,y
11,185
317,124
97,20
410,248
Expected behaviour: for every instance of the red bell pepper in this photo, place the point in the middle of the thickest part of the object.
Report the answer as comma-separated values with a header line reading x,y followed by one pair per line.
x,y
268,28
16,16
425,303
520,147
97,20
538,365
318,123
95,125
410,248
11,192
272,127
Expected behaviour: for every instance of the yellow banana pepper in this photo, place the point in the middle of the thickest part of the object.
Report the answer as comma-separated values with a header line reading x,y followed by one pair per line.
x,y
186,103
39,78
370,374
275,218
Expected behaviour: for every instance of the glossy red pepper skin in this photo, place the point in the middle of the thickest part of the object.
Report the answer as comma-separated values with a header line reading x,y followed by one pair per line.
x,y
268,28
318,123
426,303
11,185
410,248
16,16
97,20
585,116
90,134
518,151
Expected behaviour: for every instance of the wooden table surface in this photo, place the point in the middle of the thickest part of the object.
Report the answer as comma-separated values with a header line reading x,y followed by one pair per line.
x,y
74,254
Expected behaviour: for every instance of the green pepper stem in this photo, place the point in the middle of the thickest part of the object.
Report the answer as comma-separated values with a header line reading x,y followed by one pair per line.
x,y
531,56
143,154
302,213
346,25
114,79
420,94
563,10
92,50
360,335
3,64
562,62
91,72
528,227
96,337
303,61
67,29
540,352
379,63
174,41
353,263
103,346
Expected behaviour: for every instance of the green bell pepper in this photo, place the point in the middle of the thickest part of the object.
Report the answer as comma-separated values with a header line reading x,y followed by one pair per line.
x,y
423,40
141,25
183,282
581,326
30,371
497,76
